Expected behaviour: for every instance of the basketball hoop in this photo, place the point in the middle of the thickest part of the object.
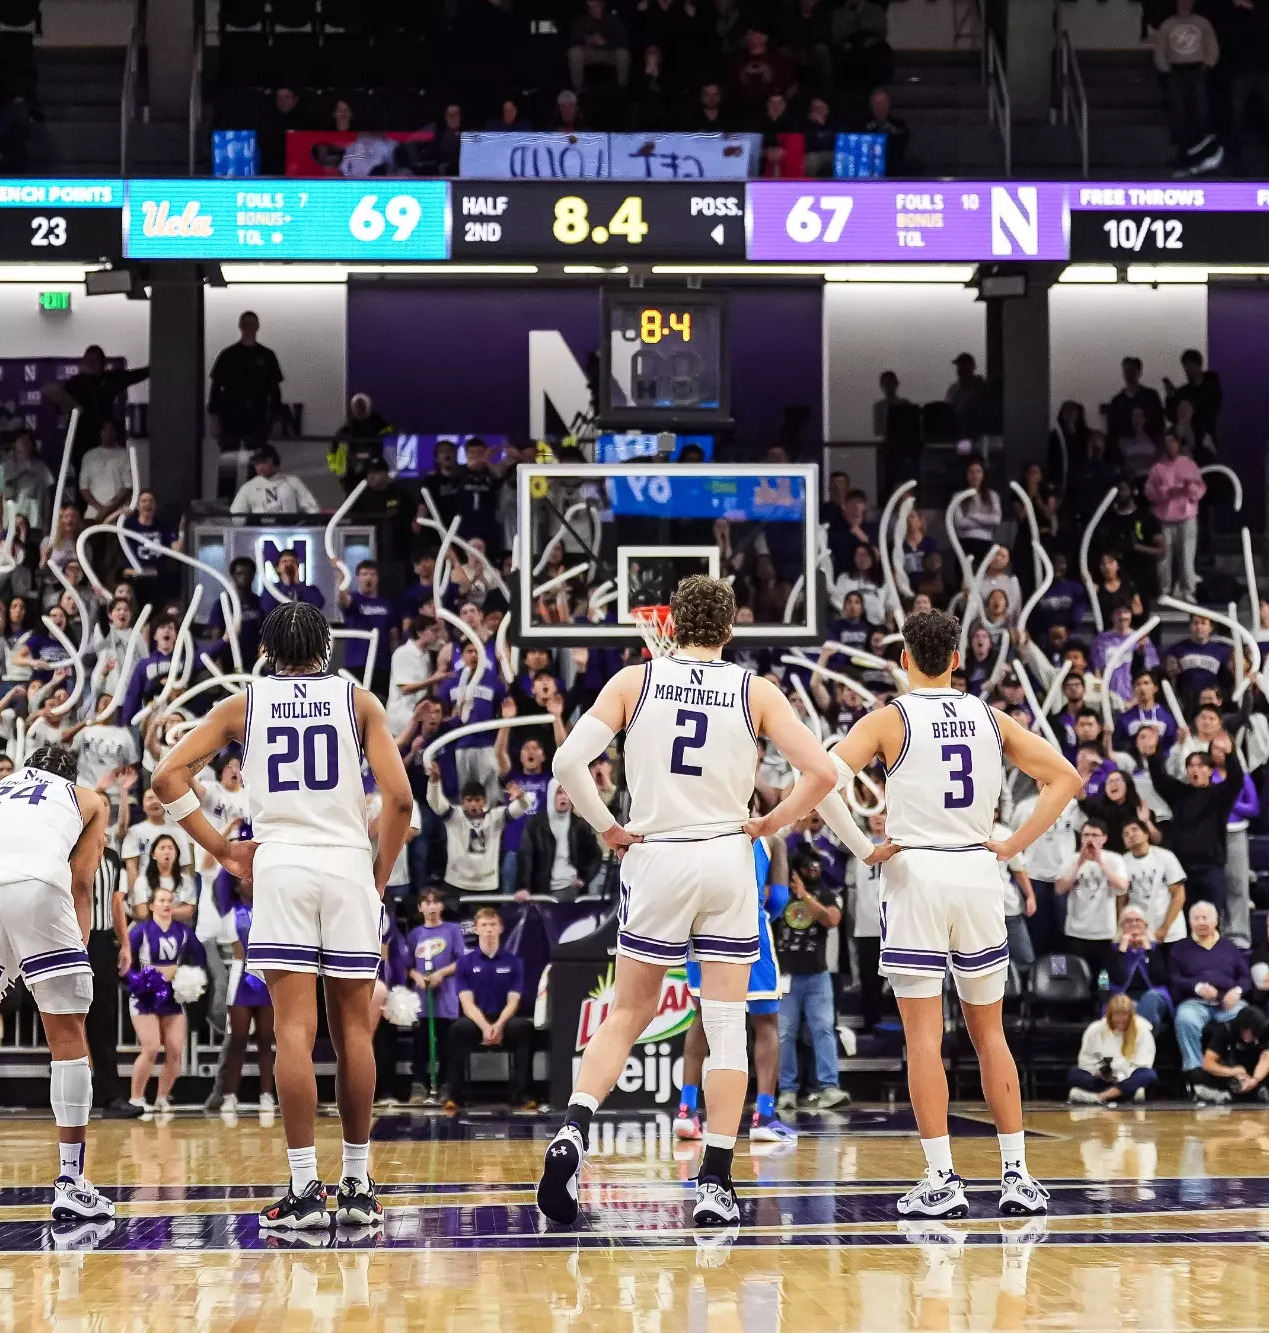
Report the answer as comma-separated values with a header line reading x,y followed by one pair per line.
x,y
656,624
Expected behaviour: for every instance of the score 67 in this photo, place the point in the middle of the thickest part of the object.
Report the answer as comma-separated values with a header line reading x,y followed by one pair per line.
x,y
804,222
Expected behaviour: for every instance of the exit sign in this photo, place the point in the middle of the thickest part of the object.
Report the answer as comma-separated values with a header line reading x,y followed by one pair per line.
x,y
55,300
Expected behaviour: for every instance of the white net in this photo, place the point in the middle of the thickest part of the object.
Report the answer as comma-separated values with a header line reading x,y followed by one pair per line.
x,y
656,624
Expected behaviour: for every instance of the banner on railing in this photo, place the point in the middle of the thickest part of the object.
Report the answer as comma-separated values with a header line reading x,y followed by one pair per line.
x,y
316,153
512,155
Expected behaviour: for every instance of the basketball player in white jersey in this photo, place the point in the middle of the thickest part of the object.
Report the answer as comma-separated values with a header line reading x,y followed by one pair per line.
x,y
942,896
318,893
687,878
52,835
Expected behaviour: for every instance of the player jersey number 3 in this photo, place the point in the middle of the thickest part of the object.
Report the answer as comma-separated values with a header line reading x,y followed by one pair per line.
x,y
308,759
960,772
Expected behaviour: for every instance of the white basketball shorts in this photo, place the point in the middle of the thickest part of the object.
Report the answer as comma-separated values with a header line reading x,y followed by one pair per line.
x,y
314,909
40,939
680,894
941,905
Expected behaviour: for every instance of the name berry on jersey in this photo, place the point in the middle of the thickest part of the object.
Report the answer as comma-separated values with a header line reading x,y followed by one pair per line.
x,y
946,731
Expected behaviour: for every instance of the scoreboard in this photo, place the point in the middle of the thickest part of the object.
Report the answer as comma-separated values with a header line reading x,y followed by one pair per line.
x,y
407,220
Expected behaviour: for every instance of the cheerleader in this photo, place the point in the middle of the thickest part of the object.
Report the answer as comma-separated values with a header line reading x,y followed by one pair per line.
x,y
248,1002
160,944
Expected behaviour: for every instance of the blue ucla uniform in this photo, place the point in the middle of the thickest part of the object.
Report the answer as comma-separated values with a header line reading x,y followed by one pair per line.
x,y
763,996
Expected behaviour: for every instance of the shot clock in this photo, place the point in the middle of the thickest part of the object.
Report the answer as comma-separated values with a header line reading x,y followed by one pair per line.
x,y
663,360
574,220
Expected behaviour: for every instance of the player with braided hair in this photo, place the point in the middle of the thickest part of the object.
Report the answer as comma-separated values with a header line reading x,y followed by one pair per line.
x,y
318,894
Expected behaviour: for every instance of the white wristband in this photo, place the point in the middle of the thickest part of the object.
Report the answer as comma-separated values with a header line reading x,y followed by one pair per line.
x,y
182,807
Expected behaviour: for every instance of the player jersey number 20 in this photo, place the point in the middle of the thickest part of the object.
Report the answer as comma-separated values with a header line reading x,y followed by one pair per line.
x,y
309,761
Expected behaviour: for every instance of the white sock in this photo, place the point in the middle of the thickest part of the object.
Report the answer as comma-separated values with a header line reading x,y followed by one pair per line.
x,y
303,1168
1013,1155
71,1163
727,1141
586,1100
357,1162
938,1156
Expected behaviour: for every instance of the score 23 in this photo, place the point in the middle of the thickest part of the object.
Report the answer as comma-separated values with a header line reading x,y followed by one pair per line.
x,y
572,223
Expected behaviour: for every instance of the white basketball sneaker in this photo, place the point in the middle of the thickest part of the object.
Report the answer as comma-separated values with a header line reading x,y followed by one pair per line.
x,y
935,1196
716,1205
1021,1196
561,1175
78,1201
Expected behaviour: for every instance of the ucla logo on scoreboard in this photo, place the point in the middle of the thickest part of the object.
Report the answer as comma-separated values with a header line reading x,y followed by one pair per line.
x,y
160,221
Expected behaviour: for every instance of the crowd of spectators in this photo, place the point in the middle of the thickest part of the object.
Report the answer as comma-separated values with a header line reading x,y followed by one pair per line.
x,y
808,68
1169,730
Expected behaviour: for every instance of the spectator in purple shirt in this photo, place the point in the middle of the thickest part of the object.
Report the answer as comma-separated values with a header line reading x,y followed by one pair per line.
x,y
1209,978
151,672
490,983
533,778
1197,662
243,573
1145,712
419,593
475,696
288,587
1106,644
365,609
811,833
434,948
1063,604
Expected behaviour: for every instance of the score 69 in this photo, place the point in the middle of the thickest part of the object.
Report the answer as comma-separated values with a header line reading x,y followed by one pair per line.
x,y
402,212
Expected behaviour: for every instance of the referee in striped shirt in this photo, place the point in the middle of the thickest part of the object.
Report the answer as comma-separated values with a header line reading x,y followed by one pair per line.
x,y
110,955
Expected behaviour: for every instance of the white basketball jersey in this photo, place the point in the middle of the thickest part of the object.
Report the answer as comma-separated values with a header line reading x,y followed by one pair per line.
x,y
40,824
301,762
690,749
945,785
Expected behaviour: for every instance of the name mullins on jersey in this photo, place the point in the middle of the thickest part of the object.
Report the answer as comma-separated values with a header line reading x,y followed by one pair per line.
x,y
296,709
689,694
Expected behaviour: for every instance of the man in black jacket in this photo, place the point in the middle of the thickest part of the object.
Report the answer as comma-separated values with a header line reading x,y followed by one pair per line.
x,y
559,854
1200,812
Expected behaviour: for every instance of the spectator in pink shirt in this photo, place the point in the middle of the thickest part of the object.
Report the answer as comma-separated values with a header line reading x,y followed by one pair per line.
x,y
1174,487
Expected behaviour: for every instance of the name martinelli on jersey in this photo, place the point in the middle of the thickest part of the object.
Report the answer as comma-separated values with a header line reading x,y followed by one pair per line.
x,y
689,694
295,709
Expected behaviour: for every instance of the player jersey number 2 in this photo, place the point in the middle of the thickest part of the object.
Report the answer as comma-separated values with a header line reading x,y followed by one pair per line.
x,y
960,762
692,728
316,768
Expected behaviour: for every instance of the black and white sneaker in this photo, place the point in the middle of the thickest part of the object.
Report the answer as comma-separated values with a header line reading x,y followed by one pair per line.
x,y
1021,1196
943,1196
78,1201
297,1212
82,1236
357,1205
561,1175
716,1204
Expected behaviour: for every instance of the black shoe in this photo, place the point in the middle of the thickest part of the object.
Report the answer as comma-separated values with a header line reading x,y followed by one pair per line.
x,y
355,1206
121,1110
298,1212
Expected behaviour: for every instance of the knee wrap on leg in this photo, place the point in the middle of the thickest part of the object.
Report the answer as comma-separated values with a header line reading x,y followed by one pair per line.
x,y
724,1024
71,1092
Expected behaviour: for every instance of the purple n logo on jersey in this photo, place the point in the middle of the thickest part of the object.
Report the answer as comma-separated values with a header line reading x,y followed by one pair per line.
x,y
698,677
949,710
301,691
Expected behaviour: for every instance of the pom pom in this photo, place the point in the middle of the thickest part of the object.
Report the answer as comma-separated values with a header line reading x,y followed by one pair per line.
x,y
150,989
188,984
402,1007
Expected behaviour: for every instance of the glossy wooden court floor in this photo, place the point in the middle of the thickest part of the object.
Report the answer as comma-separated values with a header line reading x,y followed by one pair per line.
x,y
1160,1221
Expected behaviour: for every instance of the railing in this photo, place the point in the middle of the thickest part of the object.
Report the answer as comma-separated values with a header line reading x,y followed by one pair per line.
x,y
196,86
999,112
1074,99
132,80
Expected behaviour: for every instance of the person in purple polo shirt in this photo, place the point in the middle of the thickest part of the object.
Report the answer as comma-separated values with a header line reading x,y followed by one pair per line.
x,y
490,983
1210,981
364,609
